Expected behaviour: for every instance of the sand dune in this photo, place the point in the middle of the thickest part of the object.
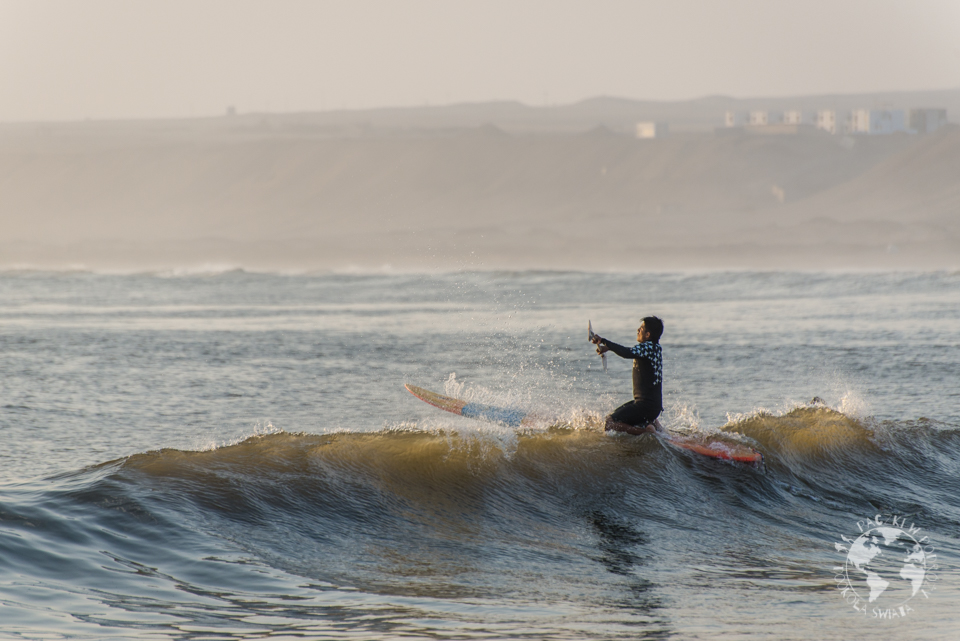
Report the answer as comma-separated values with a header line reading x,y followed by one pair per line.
x,y
918,185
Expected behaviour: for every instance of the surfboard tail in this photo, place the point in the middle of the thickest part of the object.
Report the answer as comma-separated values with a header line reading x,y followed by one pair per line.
x,y
719,450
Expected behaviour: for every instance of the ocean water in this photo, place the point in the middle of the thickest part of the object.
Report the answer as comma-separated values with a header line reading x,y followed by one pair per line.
x,y
234,456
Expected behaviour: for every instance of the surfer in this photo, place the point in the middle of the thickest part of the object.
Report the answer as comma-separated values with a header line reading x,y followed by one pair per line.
x,y
639,415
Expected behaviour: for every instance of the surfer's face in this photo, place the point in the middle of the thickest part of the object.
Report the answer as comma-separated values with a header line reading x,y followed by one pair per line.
x,y
642,333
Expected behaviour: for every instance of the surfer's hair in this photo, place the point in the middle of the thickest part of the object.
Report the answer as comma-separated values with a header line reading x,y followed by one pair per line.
x,y
655,326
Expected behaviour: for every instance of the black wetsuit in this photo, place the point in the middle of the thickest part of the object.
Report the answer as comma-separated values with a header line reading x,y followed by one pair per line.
x,y
647,400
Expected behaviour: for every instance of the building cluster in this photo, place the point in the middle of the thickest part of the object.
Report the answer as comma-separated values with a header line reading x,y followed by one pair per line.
x,y
652,129
857,121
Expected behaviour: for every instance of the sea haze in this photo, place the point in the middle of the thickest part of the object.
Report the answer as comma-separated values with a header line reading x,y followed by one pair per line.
x,y
233,455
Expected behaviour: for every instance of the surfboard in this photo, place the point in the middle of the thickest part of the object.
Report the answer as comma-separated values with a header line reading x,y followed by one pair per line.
x,y
709,446
712,447
509,416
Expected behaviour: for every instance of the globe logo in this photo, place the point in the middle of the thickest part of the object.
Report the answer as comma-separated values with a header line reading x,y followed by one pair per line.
x,y
885,567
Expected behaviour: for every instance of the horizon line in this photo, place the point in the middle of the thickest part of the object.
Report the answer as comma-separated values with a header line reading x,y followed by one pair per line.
x,y
470,103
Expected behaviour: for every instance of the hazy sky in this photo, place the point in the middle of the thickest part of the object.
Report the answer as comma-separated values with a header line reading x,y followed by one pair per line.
x,y
70,59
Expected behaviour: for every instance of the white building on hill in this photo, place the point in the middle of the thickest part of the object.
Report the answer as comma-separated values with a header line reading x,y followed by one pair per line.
x,y
798,117
877,121
763,118
737,118
827,120
652,129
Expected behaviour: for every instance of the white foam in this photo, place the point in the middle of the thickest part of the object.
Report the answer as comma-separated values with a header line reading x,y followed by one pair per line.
x,y
681,417
259,429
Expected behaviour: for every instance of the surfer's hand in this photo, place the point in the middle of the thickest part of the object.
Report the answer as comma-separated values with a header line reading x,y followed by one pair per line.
x,y
602,349
595,339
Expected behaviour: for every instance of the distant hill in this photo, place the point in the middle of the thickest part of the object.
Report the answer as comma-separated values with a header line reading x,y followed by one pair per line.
x,y
323,191
617,114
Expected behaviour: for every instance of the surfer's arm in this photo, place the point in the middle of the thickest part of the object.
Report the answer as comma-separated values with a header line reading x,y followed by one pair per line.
x,y
619,350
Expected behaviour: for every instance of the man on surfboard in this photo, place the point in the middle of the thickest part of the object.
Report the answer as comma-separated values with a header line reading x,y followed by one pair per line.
x,y
639,415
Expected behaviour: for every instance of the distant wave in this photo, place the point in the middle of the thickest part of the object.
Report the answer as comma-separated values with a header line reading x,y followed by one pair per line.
x,y
218,269
206,269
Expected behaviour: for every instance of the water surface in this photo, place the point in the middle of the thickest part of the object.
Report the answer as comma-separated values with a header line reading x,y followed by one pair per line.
x,y
234,455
